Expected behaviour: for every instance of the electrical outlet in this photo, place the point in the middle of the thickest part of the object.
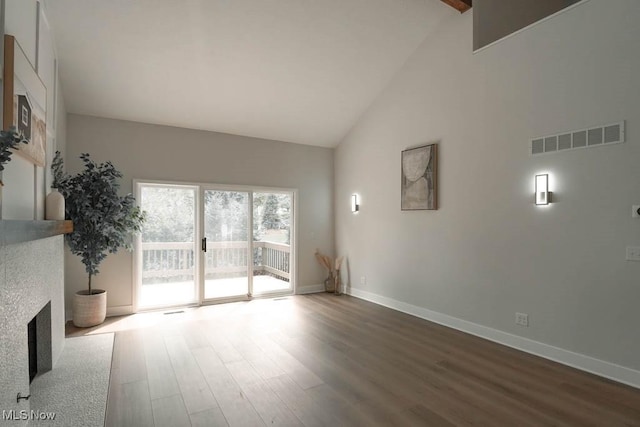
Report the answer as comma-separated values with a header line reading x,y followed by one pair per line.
x,y
522,319
633,253
363,280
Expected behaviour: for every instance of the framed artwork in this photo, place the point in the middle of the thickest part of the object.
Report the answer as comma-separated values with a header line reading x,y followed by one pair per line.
x,y
419,187
24,102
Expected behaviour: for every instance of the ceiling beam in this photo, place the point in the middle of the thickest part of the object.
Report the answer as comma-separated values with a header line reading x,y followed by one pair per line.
x,y
460,5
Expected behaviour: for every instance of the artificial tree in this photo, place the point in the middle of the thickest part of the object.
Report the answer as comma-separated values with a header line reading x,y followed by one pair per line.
x,y
103,220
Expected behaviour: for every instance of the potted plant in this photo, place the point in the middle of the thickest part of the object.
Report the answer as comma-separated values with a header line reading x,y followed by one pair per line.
x,y
103,222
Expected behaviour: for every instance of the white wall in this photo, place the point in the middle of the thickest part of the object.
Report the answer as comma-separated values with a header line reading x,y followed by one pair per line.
x,y
31,274
26,185
152,152
488,252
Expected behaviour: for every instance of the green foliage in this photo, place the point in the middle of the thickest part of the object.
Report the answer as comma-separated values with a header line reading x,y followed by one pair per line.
x,y
271,211
9,139
170,214
57,169
225,216
270,217
103,221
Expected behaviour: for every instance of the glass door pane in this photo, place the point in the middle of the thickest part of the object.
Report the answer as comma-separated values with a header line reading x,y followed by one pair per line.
x,y
167,254
226,260
272,213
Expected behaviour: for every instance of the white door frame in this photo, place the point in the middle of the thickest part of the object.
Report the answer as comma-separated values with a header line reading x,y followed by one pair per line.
x,y
294,243
200,187
137,243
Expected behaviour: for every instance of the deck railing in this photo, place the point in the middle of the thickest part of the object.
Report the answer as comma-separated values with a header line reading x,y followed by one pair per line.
x,y
174,261
272,258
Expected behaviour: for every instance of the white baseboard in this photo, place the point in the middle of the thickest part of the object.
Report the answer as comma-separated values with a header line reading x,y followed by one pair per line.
x,y
575,360
111,311
120,310
309,289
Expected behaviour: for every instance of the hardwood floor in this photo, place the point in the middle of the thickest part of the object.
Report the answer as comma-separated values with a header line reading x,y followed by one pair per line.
x,y
336,360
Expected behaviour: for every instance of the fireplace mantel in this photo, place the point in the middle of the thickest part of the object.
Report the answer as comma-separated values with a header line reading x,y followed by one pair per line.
x,y
18,231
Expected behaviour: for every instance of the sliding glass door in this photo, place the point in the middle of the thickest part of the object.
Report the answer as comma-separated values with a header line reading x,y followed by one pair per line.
x,y
204,244
225,245
167,256
272,214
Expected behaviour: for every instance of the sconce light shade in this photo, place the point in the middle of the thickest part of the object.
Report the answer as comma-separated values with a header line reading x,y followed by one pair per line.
x,y
355,207
543,195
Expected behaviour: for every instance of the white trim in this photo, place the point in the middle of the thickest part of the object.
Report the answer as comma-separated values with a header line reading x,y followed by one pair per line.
x,y
136,288
293,238
199,255
575,360
120,310
250,247
546,18
198,223
310,289
224,300
222,187
273,294
136,273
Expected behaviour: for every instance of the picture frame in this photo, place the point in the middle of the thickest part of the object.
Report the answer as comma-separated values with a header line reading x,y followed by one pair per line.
x,y
24,102
419,178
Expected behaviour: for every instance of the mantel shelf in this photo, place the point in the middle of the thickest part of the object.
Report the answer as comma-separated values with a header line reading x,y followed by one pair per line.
x,y
18,231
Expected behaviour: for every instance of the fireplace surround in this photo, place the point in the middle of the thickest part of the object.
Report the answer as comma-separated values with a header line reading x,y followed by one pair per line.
x,y
31,285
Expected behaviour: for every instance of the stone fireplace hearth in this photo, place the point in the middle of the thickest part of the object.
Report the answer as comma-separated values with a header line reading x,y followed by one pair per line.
x,y
31,284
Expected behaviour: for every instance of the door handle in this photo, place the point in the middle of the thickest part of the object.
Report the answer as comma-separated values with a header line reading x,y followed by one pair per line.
x,y
204,244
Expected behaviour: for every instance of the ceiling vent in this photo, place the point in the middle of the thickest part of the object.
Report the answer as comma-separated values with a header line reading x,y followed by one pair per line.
x,y
584,138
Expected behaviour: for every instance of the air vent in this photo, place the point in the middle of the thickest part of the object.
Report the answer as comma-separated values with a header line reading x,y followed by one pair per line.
x,y
564,142
583,138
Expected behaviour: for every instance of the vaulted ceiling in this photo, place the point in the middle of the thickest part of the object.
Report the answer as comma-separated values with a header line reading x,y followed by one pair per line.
x,y
301,71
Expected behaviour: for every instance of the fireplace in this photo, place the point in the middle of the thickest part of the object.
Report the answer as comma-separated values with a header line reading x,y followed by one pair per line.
x,y
39,342
32,343
31,287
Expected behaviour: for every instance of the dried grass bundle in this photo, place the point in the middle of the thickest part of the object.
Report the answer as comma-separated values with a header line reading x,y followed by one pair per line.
x,y
332,284
324,261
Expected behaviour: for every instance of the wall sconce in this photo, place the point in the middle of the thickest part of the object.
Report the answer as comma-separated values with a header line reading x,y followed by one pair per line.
x,y
543,195
355,207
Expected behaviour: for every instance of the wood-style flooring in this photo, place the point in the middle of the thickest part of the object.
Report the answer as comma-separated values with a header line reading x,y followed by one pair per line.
x,y
330,360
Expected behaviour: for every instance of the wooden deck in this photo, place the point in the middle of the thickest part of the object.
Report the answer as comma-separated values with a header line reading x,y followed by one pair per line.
x,y
336,360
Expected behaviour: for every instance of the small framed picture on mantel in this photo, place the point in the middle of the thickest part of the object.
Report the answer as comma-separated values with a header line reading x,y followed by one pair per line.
x,y
419,184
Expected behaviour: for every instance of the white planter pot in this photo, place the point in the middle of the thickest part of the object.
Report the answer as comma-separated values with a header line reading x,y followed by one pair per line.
x,y
54,205
89,310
